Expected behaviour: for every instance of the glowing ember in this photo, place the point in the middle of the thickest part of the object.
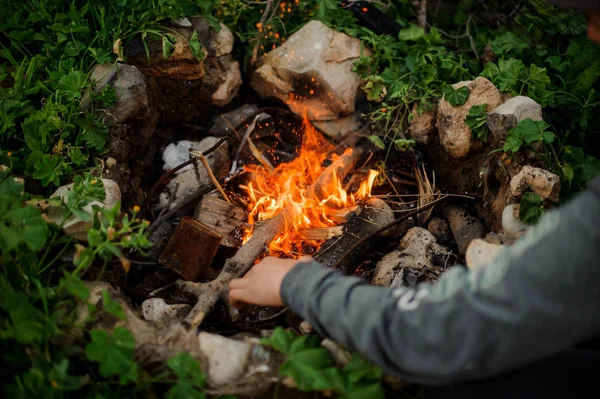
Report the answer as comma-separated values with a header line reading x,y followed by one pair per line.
x,y
289,185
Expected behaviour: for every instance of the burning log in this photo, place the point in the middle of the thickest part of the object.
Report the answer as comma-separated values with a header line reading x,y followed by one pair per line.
x,y
375,214
264,232
322,233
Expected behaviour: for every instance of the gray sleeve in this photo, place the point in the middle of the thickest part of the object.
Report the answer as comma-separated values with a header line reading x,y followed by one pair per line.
x,y
538,296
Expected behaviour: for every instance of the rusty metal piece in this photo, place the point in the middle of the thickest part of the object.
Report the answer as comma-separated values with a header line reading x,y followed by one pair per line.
x,y
191,249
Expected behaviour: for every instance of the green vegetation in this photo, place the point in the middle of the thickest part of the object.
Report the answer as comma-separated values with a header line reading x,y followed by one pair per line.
x,y
48,49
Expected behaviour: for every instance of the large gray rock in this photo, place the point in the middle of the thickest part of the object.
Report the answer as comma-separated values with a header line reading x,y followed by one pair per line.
x,y
312,73
230,84
187,181
130,87
74,225
340,127
455,136
507,116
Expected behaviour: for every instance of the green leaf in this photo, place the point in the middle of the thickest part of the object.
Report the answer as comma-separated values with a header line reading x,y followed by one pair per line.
x,y
538,76
590,168
531,130
112,307
58,27
476,121
26,225
36,135
168,45
456,97
189,377
411,34
375,88
114,353
196,47
506,74
404,144
76,287
94,132
48,170
73,85
377,141
530,209
61,379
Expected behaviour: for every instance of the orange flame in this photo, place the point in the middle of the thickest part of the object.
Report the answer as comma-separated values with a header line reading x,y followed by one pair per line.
x,y
289,185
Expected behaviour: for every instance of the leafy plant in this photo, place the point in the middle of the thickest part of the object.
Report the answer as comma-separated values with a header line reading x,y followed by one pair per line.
x,y
530,209
114,353
312,368
528,132
190,379
476,121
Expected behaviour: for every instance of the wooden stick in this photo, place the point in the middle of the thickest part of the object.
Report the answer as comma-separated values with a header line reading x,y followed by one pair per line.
x,y
210,174
322,233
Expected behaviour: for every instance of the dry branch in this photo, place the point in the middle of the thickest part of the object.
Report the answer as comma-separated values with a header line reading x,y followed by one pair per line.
x,y
209,293
322,233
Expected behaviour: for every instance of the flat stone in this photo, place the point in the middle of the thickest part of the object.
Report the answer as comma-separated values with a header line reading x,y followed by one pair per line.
x,y
465,227
481,253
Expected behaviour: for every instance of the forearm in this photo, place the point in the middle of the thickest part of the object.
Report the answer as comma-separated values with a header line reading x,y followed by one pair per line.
x,y
538,296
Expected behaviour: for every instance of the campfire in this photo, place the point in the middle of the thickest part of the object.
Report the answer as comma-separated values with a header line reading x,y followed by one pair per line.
x,y
314,197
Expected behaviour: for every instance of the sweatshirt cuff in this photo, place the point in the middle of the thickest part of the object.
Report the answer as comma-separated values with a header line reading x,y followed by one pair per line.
x,y
297,281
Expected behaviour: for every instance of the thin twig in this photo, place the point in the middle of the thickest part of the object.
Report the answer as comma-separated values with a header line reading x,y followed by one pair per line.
x,y
211,175
164,178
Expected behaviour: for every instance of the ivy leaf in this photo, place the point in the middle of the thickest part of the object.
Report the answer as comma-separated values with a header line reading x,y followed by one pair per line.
x,y
168,45
196,47
189,377
530,209
476,120
48,170
35,133
23,225
377,141
506,74
375,88
94,133
538,76
411,34
73,84
112,307
76,156
114,353
532,131
590,168
456,97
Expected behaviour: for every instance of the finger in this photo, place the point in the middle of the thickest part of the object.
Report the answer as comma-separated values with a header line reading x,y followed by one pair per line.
x,y
236,298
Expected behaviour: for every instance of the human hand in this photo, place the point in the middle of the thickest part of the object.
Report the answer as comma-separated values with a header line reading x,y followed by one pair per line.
x,y
262,284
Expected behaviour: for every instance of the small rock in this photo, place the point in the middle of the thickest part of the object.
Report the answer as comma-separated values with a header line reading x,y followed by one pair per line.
x,y
312,73
465,227
422,127
511,223
74,225
218,43
455,136
110,162
187,181
440,229
221,124
183,23
130,87
507,116
416,250
543,183
232,80
161,315
480,253
340,127
305,328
